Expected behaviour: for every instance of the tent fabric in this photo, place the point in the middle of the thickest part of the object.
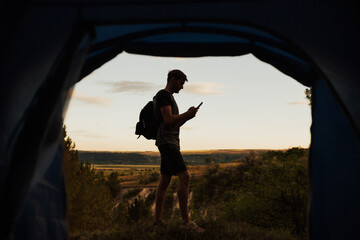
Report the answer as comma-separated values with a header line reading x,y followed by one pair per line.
x,y
46,203
335,185
47,46
36,77
195,40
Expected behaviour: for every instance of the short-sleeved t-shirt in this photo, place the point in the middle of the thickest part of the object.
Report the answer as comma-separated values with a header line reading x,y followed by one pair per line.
x,y
166,134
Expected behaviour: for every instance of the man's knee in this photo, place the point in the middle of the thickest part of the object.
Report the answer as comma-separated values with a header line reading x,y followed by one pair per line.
x,y
184,178
164,182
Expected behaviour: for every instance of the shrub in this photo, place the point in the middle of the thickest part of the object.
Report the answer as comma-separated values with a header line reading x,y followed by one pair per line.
x,y
132,193
150,177
89,200
113,183
268,190
138,209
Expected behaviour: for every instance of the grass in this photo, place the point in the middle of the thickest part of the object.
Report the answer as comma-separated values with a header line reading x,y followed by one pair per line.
x,y
130,175
123,167
218,226
214,229
126,170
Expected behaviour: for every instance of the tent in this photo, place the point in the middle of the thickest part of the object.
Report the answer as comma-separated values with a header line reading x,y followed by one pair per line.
x,y
47,46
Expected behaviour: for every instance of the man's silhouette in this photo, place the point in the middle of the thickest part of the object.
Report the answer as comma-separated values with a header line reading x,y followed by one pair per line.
x,y
168,143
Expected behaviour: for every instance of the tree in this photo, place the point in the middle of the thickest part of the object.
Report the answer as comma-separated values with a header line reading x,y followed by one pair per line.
x,y
308,95
114,183
208,160
89,201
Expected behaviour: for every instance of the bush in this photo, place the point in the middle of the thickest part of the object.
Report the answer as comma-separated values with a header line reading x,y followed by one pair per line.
x,y
113,183
132,193
268,190
150,199
89,201
152,176
138,209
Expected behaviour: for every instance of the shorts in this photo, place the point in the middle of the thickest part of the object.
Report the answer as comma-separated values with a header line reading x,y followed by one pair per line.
x,y
172,161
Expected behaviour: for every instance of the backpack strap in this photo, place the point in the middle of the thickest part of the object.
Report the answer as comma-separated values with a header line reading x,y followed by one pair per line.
x,y
156,110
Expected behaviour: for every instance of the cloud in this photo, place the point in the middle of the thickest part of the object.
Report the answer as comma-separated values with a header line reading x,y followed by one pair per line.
x,y
139,87
180,59
91,99
204,88
134,87
88,134
298,103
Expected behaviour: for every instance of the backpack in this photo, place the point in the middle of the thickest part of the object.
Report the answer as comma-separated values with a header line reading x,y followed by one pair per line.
x,y
148,124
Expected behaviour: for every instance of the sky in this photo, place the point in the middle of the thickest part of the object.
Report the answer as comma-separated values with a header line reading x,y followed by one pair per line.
x,y
247,104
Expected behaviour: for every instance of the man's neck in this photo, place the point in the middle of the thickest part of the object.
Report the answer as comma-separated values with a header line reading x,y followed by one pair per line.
x,y
168,89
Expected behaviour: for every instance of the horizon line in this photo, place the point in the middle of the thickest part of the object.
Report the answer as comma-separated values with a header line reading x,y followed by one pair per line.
x,y
208,150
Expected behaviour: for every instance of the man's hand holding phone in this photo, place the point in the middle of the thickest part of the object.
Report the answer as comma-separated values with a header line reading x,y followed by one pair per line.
x,y
193,110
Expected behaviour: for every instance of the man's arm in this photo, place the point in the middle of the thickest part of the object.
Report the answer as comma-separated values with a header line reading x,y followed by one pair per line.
x,y
171,120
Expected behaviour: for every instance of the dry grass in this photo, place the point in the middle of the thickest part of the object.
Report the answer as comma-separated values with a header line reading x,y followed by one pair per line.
x,y
123,167
129,174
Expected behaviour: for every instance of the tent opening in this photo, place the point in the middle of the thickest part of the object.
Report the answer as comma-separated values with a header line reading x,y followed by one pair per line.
x,y
43,56
246,102
248,105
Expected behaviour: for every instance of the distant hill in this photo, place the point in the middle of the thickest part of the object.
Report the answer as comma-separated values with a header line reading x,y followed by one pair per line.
x,y
150,158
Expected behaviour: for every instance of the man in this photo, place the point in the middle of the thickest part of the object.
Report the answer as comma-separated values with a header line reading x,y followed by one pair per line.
x,y
168,143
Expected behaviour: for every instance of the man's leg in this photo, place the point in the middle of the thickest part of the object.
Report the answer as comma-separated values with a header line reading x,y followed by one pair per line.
x,y
160,196
183,194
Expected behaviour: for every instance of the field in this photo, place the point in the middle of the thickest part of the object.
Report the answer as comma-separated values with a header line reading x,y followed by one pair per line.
x,y
254,195
121,168
153,158
129,174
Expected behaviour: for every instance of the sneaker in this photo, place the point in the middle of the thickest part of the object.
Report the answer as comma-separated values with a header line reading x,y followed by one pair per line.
x,y
192,226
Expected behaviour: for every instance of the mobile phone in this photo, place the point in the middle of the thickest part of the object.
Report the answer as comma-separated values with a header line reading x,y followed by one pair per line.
x,y
199,105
